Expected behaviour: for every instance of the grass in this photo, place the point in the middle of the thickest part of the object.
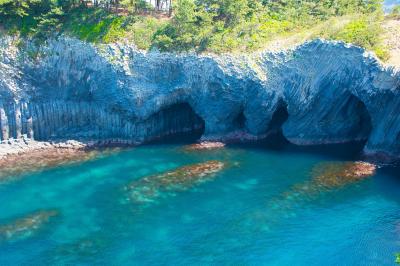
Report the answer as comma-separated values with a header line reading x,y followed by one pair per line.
x,y
364,31
102,26
359,30
94,25
141,32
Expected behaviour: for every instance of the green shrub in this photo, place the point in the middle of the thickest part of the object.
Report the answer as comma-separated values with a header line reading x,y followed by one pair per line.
x,y
94,25
395,12
115,30
382,53
202,25
142,31
363,31
48,23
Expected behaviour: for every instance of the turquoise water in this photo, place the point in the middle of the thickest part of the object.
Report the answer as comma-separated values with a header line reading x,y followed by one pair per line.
x,y
251,213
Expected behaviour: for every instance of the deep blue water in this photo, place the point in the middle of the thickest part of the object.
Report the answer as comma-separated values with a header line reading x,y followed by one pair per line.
x,y
252,213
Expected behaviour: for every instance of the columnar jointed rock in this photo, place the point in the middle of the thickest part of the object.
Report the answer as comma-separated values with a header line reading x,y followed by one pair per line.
x,y
320,92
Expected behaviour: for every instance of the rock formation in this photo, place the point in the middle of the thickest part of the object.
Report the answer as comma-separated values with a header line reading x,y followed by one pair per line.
x,y
26,226
149,188
318,93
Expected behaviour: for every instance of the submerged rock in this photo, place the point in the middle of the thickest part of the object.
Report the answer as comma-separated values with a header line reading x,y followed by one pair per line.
x,y
205,145
79,251
336,174
149,188
18,157
26,226
326,177
35,159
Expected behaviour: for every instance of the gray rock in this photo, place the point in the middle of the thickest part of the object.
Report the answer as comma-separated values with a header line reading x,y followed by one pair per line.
x,y
318,93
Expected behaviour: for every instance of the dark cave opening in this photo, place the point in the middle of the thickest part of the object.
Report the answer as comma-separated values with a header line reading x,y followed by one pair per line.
x,y
354,126
275,138
278,118
359,119
176,123
352,112
240,121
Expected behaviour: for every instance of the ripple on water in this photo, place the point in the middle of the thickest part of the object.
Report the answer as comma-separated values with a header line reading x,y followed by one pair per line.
x,y
325,177
85,249
271,203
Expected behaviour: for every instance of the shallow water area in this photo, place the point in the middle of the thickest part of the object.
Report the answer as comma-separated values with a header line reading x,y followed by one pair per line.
x,y
269,205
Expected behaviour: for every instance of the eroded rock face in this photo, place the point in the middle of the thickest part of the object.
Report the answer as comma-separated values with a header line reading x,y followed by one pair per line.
x,y
321,92
149,188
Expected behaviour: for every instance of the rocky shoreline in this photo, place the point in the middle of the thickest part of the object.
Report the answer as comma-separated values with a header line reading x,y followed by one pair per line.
x,y
18,156
18,147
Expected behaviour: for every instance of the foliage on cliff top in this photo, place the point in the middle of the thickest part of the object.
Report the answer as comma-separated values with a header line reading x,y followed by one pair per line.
x,y
395,13
198,25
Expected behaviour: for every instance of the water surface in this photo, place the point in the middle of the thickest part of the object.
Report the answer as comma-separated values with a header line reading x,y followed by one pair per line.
x,y
250,213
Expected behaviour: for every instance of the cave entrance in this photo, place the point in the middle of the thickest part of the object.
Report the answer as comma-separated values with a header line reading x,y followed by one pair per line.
x,y
240,121
275,138
278,118
357,118
176,123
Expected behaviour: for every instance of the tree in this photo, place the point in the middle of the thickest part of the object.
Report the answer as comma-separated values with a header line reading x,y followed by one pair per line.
x,y
49,22
395,12
18,8
135,5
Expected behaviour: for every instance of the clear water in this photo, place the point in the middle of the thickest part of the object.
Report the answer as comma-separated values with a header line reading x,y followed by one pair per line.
x,y
239,218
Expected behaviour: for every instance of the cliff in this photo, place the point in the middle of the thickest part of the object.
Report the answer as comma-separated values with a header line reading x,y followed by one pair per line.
x,y
318,93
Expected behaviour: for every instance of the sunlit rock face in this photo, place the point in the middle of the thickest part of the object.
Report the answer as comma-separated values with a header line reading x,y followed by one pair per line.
x,y
320,92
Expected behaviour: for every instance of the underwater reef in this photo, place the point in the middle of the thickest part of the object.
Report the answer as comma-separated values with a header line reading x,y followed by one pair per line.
x,y
26,226
320,92
149,188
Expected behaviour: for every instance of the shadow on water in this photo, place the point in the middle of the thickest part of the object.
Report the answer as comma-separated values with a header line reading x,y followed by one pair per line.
x,y
387,182
278,143
178,138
